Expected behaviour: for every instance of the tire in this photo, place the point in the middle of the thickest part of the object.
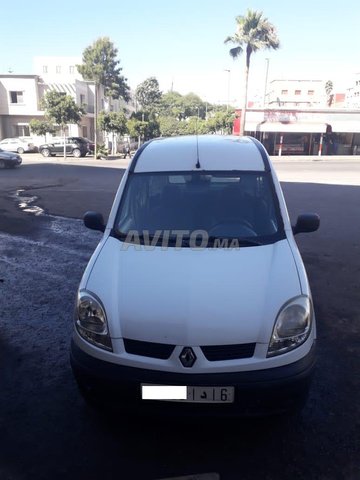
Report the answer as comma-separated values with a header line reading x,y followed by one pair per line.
x,y
2,164
20,150
45,152
76,152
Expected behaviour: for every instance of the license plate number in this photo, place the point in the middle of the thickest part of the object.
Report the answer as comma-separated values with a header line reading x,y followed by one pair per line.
x,y
188,394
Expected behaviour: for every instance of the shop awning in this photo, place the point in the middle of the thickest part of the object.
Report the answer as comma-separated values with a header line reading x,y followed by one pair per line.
x,y
287,127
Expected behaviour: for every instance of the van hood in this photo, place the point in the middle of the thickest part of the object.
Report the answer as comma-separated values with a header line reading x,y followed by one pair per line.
x,y
193,297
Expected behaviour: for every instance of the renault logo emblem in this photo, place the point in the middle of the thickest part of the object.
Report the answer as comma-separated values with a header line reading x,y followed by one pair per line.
x,y
187,357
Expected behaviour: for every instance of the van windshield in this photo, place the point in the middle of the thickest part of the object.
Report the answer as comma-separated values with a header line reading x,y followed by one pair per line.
x,y
182,206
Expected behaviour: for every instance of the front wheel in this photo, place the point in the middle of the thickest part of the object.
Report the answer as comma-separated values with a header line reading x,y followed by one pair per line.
x,y
77,152
45,152
20,150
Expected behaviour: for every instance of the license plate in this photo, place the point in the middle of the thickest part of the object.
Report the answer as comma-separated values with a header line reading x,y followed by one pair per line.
x,y
188,394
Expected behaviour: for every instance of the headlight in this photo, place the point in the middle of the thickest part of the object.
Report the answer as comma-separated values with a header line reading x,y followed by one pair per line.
x,y
292,326
91,322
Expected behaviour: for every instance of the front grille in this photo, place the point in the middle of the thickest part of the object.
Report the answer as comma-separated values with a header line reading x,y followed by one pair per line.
x,y
148,349
215,353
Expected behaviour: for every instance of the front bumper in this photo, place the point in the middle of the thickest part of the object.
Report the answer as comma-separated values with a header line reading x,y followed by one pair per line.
x,y
259,392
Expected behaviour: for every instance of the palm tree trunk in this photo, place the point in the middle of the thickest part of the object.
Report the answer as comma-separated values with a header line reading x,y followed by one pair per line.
x,y
243,111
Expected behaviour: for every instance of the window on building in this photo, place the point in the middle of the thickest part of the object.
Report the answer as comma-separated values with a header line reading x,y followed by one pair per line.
x,y
58,69
72,69
22,130
16,97
82,99
311,92
297,92
45,69
284,92
84,131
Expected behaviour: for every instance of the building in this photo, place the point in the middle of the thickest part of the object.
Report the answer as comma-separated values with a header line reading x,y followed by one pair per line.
x,y
352,97
57,69
296,94
19,103
20,97
304,131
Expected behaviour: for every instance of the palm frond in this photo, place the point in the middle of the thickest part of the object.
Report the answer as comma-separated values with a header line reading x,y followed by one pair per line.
x,y
236,51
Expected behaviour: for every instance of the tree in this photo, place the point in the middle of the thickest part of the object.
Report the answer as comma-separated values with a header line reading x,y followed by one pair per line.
x,y
253,32
194,126
143,126
328,89
61,109
42,127
148,94
101,66
193,106
113,122
171,105
221,121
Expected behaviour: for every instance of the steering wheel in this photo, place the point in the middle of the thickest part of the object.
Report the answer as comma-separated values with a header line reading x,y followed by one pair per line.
x,y
242,222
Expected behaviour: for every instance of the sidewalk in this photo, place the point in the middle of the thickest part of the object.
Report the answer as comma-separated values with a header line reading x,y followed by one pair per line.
x,y
315,158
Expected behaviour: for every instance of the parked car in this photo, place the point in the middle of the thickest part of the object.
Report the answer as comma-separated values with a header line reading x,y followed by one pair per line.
x,y
9,159
76,146
17,144
196,298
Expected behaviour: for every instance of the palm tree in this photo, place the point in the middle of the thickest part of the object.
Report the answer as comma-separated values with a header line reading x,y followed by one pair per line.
x,y
328,89
253,32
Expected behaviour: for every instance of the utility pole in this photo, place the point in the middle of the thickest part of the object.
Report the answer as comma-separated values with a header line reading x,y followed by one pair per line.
x,y
228,88
266,80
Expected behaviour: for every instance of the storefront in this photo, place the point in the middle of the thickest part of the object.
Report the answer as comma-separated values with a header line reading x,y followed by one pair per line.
x,y
304,132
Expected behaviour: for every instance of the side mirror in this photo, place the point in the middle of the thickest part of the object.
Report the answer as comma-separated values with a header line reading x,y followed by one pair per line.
x,y
95,221
307,222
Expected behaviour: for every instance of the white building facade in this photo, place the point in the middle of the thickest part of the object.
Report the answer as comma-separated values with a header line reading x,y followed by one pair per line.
x,y
20,97
296,94
352,97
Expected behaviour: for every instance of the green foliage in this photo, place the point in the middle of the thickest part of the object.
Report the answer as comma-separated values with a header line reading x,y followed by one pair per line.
x,y
170,126
61,109
221,122
253,32
148,94
145,129
170,105
101,151
193,106
101,66
173,104
42,127
194,126
113,122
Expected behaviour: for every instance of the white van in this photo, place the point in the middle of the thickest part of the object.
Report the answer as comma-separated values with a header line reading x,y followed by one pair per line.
x,y
196,298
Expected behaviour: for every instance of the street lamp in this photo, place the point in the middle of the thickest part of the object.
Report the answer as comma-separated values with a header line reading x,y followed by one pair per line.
x,y
228,88
266,79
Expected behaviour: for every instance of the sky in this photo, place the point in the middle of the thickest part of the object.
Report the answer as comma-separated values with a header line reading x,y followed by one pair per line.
x,y
181,42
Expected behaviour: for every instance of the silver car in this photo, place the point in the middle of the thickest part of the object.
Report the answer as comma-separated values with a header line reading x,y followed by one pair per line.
x,y
17,144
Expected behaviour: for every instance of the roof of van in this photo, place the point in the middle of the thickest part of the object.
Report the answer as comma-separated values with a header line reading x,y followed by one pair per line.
x,y
215,152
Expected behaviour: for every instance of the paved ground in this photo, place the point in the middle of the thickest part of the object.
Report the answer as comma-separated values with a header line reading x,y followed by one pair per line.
x,y
46,430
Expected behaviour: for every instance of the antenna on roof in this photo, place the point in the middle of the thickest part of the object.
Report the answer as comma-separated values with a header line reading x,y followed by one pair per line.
x,y
197,142
197,152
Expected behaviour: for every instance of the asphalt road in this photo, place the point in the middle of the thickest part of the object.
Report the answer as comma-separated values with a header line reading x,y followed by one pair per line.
x,y
47,431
